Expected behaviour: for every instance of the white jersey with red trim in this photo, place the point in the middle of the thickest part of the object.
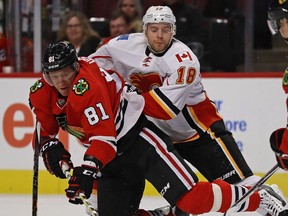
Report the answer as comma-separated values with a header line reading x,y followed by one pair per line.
x,y
170,83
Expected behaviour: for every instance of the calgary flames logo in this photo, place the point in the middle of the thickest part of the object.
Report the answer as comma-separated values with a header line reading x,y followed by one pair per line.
x,y
81,87
145,82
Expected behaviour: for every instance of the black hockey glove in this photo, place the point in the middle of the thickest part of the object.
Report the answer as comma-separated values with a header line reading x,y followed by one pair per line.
x,y
81,182
55,156
276,140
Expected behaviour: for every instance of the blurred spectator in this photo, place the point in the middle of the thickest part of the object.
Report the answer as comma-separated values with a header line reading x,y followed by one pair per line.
x,y
118,25
76,29
3,52
133,9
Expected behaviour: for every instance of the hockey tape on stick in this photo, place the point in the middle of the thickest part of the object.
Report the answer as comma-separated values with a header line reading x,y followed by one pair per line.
x,y
261,181
35,169
91,210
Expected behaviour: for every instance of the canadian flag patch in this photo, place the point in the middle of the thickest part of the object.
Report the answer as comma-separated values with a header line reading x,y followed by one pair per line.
x,y
184,56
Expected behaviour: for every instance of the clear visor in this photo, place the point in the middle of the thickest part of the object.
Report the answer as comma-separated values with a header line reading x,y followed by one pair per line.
x,y
273,27
65,74
47,79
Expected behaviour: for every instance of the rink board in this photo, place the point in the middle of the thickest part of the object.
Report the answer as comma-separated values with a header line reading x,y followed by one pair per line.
x,y
252,107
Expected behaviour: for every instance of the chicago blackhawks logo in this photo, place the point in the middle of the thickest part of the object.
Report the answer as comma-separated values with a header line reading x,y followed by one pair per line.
x,y
145,82
81,87
285,81
37,85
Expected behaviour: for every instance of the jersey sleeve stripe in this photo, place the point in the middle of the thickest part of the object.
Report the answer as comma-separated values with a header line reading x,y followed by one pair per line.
x,y
119,120
167,101
107,139
105,57
163,102
162,105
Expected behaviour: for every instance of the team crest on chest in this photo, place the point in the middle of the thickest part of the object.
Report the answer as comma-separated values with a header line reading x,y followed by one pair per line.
x,y
145,82
81,87
37,85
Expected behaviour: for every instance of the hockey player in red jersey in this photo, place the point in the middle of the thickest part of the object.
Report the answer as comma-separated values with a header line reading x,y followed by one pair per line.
x,y
168,73
124,147
278,22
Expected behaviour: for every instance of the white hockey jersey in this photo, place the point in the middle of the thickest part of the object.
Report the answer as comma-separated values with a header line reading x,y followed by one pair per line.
x,y
170,82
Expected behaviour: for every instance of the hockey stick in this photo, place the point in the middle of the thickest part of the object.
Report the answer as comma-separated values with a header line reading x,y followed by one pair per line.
x,y
92,211
35,170
252,190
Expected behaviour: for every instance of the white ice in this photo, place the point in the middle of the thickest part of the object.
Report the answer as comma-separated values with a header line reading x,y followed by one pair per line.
x,y
57,205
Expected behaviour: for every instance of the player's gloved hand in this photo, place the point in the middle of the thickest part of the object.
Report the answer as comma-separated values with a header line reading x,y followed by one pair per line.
x,y
279,144
55,156
130,88
81,182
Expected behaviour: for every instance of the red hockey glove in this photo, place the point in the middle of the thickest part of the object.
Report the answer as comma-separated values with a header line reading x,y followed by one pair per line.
x,y
54,156
81,181
279,143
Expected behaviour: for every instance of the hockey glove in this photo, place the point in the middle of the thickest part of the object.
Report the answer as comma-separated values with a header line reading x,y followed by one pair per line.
x,y
55,156
277,142
81,181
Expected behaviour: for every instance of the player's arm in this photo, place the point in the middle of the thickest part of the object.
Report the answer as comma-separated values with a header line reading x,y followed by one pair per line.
x,y
279,144
279,138
169,99
51,149
97,120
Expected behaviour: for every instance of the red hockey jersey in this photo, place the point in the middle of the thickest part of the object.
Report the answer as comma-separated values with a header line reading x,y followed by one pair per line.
x,y
95,104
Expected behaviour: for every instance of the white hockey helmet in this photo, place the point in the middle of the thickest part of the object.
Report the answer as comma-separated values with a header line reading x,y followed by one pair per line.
x,y
159,14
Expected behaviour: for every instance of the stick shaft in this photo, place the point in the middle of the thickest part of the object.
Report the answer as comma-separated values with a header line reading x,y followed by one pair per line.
x,y
35,170
256,186
92,211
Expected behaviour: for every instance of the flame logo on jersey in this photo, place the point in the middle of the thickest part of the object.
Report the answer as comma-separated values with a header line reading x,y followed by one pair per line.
x,y
37,85
145,82
81,87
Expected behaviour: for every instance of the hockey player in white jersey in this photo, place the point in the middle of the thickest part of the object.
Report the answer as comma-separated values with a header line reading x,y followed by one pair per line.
x,y
167,73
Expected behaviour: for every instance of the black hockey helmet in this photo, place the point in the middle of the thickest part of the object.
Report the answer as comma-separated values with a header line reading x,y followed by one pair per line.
x,y
277,10
58,56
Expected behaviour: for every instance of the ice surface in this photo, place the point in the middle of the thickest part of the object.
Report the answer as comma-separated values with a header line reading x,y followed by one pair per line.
x,y
58,205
